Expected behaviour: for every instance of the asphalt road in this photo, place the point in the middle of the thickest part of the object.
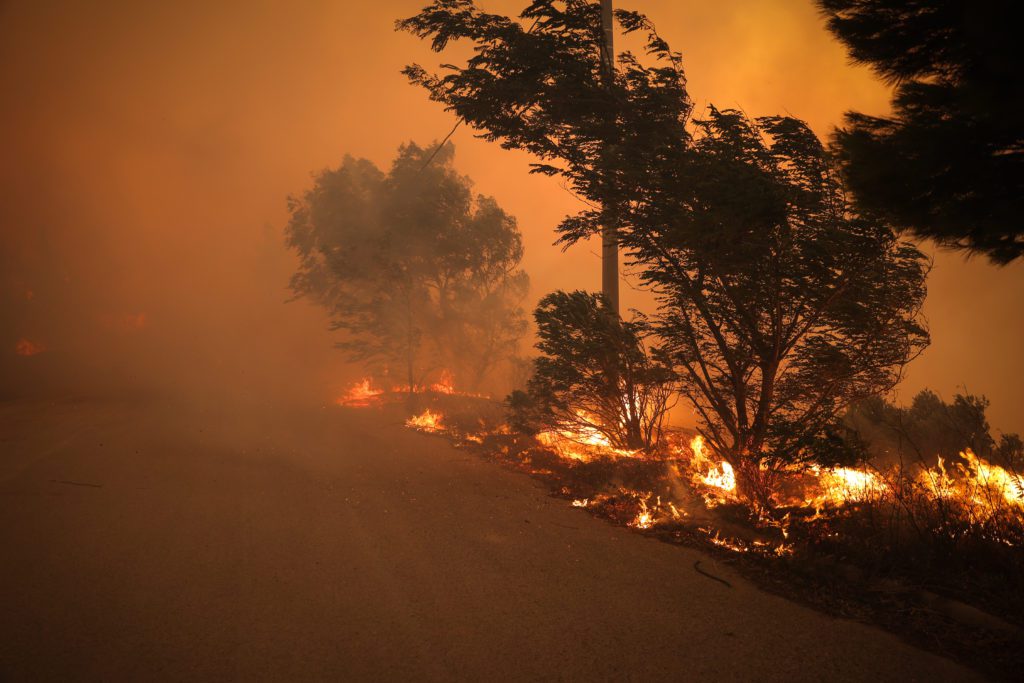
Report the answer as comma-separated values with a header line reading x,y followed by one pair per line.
x,y
158,541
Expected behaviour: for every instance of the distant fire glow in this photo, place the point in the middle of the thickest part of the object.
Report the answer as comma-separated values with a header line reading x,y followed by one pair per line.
x,y
26,347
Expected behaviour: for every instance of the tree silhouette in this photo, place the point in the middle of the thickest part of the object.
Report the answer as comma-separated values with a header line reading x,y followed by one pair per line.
x,y
598,373
416,271
778,304
948,164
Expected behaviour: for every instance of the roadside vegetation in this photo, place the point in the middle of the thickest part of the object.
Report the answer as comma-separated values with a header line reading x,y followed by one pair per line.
x,y
787,308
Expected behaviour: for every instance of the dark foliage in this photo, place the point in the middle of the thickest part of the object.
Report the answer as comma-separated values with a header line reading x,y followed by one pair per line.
x,y
779,305
948,164
930,428
597,374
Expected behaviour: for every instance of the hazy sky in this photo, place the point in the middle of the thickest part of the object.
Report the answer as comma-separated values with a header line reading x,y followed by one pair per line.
x,y
147,150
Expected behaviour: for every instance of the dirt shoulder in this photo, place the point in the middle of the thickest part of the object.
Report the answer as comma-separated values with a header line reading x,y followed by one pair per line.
x,y
159,541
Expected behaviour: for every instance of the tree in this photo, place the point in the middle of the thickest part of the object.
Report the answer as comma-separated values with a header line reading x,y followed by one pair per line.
x,y
778,304
416,271
931,428
597,373
538,84
948,163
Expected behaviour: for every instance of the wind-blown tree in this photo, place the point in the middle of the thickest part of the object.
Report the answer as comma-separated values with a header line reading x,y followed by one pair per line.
x,y
416,272
948,163
538,84
597,373
778,304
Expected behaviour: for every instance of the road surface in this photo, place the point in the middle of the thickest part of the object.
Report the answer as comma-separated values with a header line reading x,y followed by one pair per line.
x,y
159,541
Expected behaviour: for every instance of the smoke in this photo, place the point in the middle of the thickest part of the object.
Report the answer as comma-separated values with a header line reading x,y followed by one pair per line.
x,y
148,149
140,247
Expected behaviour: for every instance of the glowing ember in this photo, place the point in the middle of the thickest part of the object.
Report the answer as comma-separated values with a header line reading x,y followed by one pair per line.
x,y
727,543
24,347
580,502
427,421
361,395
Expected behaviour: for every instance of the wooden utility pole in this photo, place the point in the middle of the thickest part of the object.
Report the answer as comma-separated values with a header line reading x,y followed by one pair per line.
x,y
609,238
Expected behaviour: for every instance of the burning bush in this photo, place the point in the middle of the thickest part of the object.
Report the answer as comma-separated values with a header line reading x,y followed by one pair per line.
x,y
598,381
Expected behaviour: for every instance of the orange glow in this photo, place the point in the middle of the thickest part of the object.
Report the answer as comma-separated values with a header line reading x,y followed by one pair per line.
x,y
125,322
189,218
26,347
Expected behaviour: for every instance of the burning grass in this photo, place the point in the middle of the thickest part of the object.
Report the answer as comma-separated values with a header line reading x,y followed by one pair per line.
x,y
953,528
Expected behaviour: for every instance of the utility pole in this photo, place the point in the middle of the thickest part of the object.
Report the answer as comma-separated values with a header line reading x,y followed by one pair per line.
x,y
609,238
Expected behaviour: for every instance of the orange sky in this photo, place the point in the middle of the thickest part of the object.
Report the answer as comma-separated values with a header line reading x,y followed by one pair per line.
x,y
148,149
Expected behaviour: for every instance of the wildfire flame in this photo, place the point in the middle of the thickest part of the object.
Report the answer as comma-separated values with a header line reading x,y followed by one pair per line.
x,y
445,385
717,476
840,485
644,518
427,421
361,394
985,486
582,442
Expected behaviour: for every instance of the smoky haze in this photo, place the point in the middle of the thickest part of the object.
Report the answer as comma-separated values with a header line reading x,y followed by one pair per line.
x,y
148,150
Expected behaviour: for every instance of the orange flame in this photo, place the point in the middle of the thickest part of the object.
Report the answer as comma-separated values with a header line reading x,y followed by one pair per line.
x,y
718,477
582,443
361,395
427,421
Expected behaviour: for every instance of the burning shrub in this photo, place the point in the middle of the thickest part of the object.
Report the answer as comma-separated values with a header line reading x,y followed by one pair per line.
x,y
598,381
